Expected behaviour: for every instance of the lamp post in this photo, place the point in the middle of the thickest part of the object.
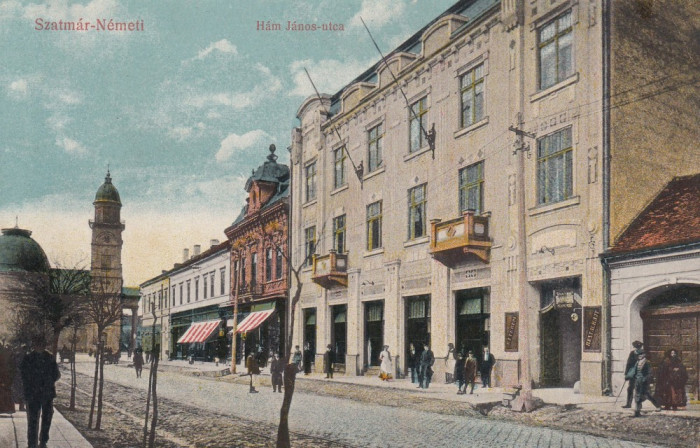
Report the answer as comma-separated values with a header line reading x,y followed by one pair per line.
x,y
234,293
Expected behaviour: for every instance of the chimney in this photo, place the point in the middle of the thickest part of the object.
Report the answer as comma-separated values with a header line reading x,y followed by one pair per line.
x,y
185,254
213,243
197,250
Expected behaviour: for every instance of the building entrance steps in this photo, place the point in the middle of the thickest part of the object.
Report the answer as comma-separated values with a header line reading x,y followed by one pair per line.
x,y
13,431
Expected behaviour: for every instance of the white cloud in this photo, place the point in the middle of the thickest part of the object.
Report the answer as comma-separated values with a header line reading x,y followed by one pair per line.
x,y
58,122
223,46
329,75
18,89
378,12
70,146
234,142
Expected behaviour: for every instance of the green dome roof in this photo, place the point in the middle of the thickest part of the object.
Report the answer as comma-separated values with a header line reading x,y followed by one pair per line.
x,y
108,192
19,252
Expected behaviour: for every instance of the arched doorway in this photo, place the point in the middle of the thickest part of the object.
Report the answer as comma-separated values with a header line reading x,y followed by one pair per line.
x,y
671,319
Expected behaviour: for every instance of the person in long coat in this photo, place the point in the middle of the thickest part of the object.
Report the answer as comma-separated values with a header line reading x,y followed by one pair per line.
x,y
486,367
386,366
412,362
276,369
427,359
138,362
7,375
308,358
459,373
670,386
39,375
631,361
641,373
470,368
251,363
328,361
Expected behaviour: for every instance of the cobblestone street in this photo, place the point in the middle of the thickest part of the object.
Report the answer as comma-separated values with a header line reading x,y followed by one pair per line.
x,y
221,413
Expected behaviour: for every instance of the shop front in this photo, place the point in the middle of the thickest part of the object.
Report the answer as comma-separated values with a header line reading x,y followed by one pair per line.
x,y
260,331
472,308
374,332
417,312
200,334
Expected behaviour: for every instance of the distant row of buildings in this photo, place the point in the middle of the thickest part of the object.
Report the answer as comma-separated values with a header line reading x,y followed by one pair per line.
x,y
518,174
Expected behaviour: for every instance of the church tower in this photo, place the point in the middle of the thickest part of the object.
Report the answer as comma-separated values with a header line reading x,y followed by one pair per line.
x,y
106,256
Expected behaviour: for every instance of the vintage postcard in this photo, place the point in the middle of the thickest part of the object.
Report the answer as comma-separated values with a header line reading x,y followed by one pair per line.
x,y
357,223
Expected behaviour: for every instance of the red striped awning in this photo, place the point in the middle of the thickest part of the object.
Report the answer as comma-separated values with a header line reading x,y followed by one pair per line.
x,y
253,320
199,332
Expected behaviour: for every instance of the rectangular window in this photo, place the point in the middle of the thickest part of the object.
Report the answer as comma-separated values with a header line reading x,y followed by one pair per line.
x,y
309,245
555,41
339,167
211,283
254,268
374,225
196,289
554,167
223,281
172,296
416,212
279,264
243,279
374,156
181,295
419,124
472,96
339,234
471,188
165,298
268,265
206,284
310,176
188,291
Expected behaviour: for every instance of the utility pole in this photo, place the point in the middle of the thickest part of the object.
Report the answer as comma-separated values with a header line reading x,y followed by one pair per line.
x,y
234,333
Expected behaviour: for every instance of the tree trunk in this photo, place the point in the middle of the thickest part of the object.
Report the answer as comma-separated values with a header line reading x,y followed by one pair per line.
x,y
148,407
154,420
98,422
73,382
94,385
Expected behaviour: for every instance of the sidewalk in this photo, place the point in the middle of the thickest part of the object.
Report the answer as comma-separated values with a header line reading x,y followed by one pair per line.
x,y
13,432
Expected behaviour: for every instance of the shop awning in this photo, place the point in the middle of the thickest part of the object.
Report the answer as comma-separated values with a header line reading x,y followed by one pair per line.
x,y
199,332
253,320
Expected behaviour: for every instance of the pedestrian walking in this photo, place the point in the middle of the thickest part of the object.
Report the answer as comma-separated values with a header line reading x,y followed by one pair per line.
x,y
39,375
296,358
276,369
631,361
641,373
459,373
470,368
7,376
329,361
427,359
450,361
386,366
308,355
251,364
670,386
138,363
412,362
486,367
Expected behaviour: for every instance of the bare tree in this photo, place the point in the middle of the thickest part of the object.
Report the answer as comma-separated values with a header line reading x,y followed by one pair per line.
x,y
103,309
149,437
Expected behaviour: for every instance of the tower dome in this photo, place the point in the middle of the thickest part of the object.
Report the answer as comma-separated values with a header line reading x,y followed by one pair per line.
x,y
20,253
108,192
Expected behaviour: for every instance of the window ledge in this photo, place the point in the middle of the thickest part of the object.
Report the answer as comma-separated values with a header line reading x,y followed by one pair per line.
x,y
484,121
307,268
545,208
373,173
310,203
417,241
374,252
410,156
339,189
573,79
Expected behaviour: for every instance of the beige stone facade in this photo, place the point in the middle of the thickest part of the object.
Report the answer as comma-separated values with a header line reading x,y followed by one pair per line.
x,y
498,80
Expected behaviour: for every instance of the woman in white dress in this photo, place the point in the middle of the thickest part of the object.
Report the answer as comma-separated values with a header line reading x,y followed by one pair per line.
x,y
385,368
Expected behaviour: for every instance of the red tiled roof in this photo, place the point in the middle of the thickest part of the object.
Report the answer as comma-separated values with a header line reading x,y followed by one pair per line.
x,y
672,218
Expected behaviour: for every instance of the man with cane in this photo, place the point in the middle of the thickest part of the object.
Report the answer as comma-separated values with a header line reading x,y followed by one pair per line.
x,y
631,362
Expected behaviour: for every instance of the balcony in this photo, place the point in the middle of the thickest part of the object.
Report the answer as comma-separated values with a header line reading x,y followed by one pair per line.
x,y
330,269
461,239
250,292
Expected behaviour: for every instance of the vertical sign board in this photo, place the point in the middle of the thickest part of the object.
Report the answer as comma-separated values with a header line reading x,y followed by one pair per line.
x,y
511,332
591,322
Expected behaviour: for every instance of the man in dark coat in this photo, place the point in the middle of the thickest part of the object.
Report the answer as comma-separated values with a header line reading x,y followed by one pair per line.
x,y
641,373
276,369
470,368
459,373
329,361
39,375
486,367
251,364
308,358
427,359
631,361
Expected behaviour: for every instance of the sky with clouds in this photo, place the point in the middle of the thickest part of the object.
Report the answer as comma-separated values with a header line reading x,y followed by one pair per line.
x,y
181,111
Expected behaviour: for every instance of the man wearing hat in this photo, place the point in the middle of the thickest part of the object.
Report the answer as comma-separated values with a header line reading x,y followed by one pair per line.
x,y
640,375
631,362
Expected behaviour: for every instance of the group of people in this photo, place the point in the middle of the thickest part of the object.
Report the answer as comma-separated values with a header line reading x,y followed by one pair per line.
x,y
304,360
670,384
29,380
421,365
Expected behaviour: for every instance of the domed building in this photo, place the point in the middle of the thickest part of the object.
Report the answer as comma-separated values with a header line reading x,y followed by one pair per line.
x,y
24,268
